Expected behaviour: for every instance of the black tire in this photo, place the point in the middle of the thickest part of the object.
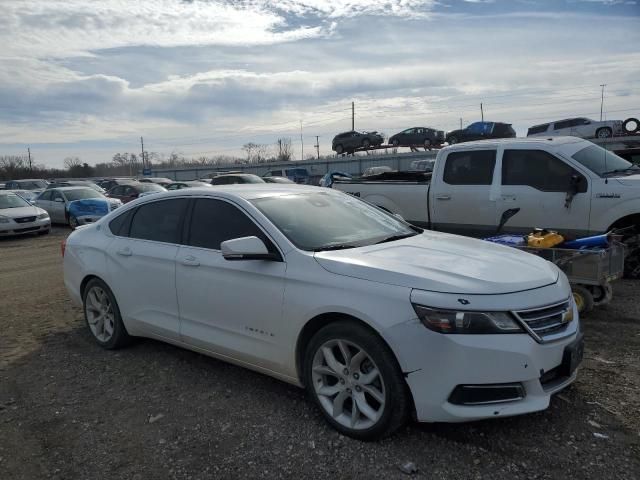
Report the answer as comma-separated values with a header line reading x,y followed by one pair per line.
x,y
452,140
120,337
366,143
339,149
602,294
604,132
427,143
396,142
73,222
583,298
397,397
629,121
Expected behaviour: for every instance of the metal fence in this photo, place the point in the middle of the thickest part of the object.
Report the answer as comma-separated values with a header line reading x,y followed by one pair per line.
x,y
354,165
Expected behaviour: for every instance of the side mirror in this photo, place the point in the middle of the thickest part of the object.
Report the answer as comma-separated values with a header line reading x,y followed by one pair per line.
x,y
574,184
245,248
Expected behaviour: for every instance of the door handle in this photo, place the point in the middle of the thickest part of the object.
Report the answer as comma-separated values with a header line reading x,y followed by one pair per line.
x,y
508,197
125,252
190,261
443,197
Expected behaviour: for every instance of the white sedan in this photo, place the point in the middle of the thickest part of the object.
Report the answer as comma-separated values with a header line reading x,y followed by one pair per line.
x,y
17,216
379,320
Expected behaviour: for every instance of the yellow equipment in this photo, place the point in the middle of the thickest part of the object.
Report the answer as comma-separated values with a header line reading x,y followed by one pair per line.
x,y
544,239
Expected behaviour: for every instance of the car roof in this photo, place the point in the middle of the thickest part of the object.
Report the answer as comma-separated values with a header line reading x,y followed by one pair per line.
x,y
546,141
77,187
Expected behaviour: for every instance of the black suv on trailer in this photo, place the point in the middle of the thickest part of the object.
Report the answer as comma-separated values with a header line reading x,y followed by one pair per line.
x,y
417,137
481,131
350,141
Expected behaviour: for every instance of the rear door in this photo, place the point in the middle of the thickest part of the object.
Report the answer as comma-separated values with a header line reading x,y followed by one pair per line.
x,y
44,201
58,207
141,265
537,182
464,199
233,308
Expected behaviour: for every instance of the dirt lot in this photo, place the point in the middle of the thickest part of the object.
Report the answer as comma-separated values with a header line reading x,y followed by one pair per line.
x,y
71,410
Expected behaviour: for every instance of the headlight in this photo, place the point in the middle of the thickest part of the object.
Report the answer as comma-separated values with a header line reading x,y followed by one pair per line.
x,y
4,220
452,321
42,216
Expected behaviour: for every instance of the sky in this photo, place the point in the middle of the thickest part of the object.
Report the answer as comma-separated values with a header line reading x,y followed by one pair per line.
x,y
88,78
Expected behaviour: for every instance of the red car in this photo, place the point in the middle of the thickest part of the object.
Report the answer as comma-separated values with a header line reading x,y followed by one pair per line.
x,y
133,190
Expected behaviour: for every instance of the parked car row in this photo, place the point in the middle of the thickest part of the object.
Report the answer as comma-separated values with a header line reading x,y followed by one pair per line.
x,y
348,142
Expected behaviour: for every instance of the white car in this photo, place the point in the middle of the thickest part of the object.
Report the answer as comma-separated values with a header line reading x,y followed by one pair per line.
x,y
17,216
577,127
379,320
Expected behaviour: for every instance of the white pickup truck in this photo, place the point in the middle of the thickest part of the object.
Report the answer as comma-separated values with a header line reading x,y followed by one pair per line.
x,y
565,184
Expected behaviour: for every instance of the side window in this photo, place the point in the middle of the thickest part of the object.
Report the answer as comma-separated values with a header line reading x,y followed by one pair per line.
x,y
214,221
55,195
474,167
562,124
538,169
538,129
46,195
117,190
475,127
159,221
119,226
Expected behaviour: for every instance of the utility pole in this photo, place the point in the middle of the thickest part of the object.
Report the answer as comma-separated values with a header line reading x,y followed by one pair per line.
x,y
301,143
142,147
602,99
461,123
353,116
481,112
317,145
29,153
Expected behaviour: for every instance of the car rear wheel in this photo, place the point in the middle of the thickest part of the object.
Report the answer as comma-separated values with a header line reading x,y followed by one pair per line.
x,y
366,143
604,132
452,140
102,316
339,149
356,381
73,222
427,143
396,142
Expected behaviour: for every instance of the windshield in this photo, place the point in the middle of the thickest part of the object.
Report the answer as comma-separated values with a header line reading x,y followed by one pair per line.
x,y
601,161
11,200
32,184
317,221
82,194
150,187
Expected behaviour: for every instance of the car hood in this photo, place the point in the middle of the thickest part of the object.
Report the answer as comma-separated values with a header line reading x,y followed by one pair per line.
x,y
444,263
21,212
630,181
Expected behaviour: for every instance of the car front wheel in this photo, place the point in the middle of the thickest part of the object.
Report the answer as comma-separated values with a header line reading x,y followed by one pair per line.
x,y
339,149
452,140
604,132
356,381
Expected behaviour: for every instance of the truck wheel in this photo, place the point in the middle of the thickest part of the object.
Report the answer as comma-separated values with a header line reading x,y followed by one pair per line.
x,y
631,125
366,143
452,140
604,132
602,294
339,149
583,299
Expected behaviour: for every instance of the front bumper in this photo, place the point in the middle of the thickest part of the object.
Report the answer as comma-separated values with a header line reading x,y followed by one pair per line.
x,y
14,228
437,366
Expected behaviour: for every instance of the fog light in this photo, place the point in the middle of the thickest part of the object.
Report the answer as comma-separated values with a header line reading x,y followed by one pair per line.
x,y
486,394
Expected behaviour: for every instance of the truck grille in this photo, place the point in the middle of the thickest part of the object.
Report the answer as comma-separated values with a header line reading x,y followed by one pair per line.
x,y
546,321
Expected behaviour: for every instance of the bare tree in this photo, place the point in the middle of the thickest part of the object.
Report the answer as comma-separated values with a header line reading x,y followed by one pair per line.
x,y
71,163
250,148
285,152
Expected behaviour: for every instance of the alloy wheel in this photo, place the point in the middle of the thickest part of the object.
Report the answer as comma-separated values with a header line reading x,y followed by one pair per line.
x,y
348,384
100,315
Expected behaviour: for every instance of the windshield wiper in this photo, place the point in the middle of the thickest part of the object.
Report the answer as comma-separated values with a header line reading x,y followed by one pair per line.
x,y
396,237
632,168
335,246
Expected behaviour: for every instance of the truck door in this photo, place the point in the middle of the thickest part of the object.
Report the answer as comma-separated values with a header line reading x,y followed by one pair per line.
x,y
463,202
538,183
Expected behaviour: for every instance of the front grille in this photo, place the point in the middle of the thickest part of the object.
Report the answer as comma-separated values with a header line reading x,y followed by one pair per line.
x,y
25,219
546,321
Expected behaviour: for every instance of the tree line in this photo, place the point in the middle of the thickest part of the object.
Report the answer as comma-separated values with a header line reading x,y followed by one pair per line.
x,y
15,167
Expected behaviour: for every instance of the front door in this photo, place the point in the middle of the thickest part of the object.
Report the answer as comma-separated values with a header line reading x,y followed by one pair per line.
x,y
467,186
230,307
141,267
537,182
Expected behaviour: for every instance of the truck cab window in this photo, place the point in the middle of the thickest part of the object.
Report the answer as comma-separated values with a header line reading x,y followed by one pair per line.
x,y
538,169
473,167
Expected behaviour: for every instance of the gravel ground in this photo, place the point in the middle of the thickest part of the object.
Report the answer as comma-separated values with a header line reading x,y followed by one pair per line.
x,y
69,409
